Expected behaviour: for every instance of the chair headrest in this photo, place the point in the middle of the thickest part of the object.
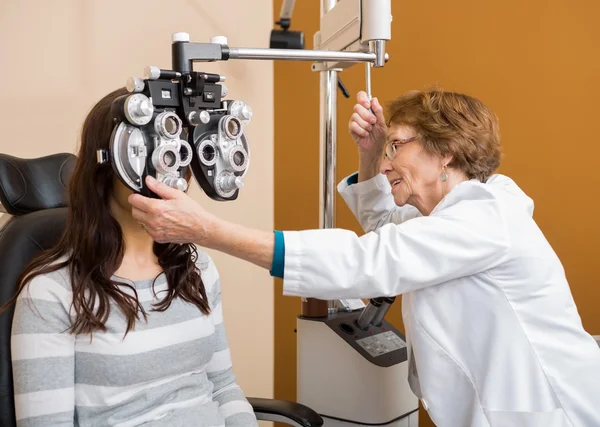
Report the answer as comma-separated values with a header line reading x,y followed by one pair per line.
x,y
29,185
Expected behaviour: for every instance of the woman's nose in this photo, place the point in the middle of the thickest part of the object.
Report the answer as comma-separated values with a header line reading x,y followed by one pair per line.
x,y
386,166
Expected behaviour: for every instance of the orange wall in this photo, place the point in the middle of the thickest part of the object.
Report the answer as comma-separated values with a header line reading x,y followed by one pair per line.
x,y
535,63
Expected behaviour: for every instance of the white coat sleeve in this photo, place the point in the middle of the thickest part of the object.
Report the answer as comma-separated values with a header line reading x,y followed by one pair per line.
x,y
464,239
372,202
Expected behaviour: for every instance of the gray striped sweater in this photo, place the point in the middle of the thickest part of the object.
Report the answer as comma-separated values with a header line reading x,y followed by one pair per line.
x,y
173,370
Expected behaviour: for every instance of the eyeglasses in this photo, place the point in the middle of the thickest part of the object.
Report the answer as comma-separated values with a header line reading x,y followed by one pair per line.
x,y
392,146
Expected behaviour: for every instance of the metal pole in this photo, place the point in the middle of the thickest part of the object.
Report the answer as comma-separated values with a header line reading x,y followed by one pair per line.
x,y
329,80
328,148
301,55
312,307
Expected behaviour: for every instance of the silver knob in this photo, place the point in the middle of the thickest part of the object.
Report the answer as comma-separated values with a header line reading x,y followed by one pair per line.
x,y
177,183
232,182
241,110
204,116
219,40
246,112
145,108
151,72
138,109
135,85
181,37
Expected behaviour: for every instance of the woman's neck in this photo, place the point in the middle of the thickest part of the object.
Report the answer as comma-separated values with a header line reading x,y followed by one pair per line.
x,y
427,204
139,261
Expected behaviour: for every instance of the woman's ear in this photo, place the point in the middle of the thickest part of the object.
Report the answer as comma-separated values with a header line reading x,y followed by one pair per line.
x,y
447,159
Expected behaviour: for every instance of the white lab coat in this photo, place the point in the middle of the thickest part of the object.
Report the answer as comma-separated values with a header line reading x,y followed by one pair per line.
x,y
494,336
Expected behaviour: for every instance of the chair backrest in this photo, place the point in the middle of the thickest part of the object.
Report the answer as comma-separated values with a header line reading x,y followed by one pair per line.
x,y
33,192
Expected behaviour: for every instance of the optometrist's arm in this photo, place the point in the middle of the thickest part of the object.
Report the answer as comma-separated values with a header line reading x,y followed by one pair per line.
x,y
466,238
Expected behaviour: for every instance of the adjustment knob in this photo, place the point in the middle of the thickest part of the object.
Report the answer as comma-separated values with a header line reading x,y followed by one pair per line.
x,y
145,109
246,112
138,109
241,110
151,72
232,182
176,183
181,37
135,85
204,116
219,40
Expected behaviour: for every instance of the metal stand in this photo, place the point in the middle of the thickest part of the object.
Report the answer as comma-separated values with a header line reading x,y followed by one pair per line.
x,y
328,152
328,63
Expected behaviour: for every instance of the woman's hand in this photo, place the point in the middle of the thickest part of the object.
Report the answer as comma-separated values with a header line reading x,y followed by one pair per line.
x,y
176,218
368,129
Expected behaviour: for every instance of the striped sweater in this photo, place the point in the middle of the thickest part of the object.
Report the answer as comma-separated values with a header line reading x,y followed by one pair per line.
x,y
172,370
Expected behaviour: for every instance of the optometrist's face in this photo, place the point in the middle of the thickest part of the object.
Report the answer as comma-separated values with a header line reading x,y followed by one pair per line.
x,y
413,173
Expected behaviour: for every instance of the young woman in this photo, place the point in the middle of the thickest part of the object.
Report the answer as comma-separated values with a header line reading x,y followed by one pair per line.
x,y
112,328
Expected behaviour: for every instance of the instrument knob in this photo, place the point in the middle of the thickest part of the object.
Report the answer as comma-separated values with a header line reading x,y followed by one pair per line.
x,y
231,182
176,183
219,40
135,85
181,37
151,72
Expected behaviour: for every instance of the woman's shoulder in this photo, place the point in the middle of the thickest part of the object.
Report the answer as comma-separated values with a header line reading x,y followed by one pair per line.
x,y
50,282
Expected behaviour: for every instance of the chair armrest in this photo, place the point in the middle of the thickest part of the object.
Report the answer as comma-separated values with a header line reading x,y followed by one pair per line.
x,y
282,411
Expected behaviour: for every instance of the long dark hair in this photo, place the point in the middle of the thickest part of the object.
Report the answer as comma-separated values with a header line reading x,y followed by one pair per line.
x,y
92,245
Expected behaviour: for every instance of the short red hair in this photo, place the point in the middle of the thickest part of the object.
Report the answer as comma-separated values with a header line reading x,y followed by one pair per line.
x,y
452,124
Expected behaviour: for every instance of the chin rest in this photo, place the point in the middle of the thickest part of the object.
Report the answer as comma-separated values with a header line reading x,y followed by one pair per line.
x,y
34,192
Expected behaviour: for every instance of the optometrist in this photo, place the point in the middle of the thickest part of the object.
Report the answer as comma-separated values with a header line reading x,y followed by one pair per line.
x,y
495,339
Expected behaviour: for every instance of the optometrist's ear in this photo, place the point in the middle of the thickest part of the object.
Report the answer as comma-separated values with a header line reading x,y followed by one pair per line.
x,y
446,160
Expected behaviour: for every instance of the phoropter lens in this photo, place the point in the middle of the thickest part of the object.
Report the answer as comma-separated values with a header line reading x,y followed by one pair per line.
x,y
171,126
169,158
185,153
238,158
208,152
233,128
168,125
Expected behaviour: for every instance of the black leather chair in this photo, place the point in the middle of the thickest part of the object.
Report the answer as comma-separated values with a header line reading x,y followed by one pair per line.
x,y
33,195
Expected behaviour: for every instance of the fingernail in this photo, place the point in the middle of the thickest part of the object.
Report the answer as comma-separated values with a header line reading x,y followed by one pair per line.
x,y
151,178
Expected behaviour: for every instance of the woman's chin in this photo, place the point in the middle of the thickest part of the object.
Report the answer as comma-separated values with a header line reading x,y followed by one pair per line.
x,y
400,200
400,197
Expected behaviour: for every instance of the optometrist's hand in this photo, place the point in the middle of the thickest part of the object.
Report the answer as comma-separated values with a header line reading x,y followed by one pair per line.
x,y
368,129
176,218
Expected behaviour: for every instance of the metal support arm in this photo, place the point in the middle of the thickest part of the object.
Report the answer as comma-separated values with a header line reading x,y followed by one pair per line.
x,y
186,53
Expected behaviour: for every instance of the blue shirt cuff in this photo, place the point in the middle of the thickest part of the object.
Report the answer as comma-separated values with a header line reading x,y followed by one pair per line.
x,y
352,179
278,255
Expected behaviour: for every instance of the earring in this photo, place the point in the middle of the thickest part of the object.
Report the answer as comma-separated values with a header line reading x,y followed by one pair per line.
x,y
443,175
